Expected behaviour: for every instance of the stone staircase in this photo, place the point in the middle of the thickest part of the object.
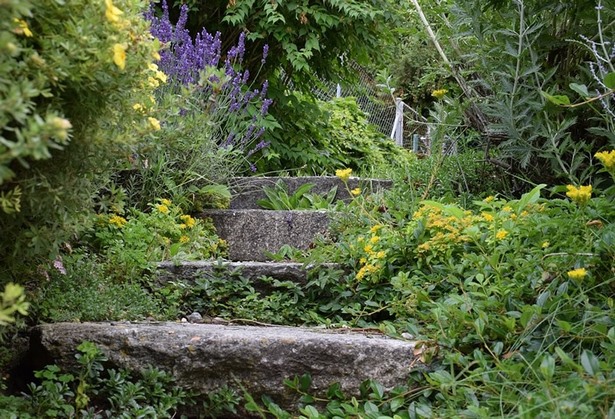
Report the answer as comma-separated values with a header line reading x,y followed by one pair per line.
x,y
206,355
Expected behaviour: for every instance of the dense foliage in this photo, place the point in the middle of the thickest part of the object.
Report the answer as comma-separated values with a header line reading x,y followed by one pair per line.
x,y
494,250
68,87
507,59
305,42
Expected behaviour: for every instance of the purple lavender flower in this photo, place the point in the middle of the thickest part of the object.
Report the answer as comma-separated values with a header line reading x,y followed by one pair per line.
x,y
225,90
265,106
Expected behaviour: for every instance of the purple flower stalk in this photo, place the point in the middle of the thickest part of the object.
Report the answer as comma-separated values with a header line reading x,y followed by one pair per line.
x,y
184,59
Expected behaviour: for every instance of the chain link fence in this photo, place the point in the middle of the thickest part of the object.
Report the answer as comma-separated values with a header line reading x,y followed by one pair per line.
x,y
390,115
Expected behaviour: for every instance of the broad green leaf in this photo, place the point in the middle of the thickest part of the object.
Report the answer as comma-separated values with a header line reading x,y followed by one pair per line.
x,y
396,403
370,407
220,190
609,81
530,197
547,367
590,363
305,381
580,89
377,389
566,359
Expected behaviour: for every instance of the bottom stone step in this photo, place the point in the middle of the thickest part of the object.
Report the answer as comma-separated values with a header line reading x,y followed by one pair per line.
x,y
206,357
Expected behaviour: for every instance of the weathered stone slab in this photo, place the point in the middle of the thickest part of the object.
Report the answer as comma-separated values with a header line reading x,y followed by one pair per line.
x,y
252,233
248,190
206,357
188,272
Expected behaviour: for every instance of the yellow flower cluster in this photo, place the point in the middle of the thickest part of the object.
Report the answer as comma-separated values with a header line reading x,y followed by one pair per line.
x,y
159,76
372,260
22,28
119,55
112,13
117,221
445,231
343,174
188,222
184,239
439,94
501,234
487,216
581,195
155,124
356,191
577,274
607,158
162,208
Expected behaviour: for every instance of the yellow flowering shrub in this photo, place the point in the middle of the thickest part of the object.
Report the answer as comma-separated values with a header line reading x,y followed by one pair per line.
x,y
577,274
371,253
607,158
439,93
161,234
73,71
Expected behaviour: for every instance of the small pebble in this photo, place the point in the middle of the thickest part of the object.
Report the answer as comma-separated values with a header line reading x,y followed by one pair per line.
x,y
195,317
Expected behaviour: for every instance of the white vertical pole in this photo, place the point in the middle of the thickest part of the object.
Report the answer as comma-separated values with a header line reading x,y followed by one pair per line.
x,y
338,91
399,119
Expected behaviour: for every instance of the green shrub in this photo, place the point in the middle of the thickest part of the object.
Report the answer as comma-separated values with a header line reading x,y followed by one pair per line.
x,y
71,72
115,265
328,136
94,391
12,302
513,298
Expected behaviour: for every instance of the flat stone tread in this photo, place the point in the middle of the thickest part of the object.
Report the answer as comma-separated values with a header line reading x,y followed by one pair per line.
x,y
287,334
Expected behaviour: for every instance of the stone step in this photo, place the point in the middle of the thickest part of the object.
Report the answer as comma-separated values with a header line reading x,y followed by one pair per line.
x,y
247,191
251,233
206,357
189,272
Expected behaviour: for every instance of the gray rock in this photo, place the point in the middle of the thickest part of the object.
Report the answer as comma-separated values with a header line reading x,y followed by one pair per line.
x,y
206,357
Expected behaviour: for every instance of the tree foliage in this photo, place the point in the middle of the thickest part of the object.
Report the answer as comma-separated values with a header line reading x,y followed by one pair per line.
x,y
303,36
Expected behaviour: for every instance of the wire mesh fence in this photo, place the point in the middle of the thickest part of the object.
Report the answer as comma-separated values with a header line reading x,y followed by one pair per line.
x,y
390,115
374,101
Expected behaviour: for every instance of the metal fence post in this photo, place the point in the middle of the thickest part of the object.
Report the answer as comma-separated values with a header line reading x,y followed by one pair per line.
x,y
415,143
398,125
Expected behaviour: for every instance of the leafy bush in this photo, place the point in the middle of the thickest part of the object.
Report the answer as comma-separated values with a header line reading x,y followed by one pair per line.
x,y
115,265
99,296
514,51
71,73
278,198
133,244
511,296
12,302
95,392
327,136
